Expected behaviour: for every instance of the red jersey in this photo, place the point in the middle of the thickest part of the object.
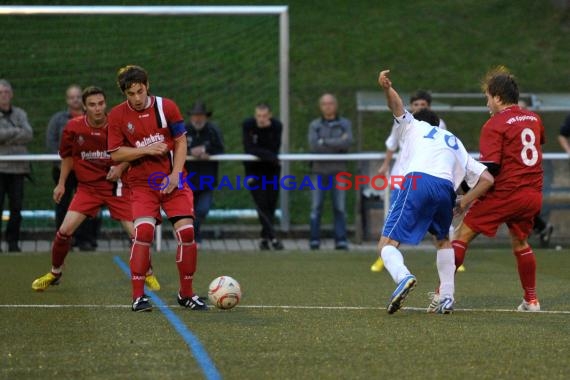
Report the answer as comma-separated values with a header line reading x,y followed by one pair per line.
x,y
512,138
160,122
88,147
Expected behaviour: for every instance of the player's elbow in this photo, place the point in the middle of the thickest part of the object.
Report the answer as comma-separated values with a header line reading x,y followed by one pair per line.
x,y
487,180
493,168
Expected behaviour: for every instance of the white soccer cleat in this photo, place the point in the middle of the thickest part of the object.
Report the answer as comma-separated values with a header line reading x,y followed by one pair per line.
x,y
532,306
434,297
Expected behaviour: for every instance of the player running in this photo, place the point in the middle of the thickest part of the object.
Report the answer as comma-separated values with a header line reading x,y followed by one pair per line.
x,y
510,146
420,100
148,131
437,163
83,149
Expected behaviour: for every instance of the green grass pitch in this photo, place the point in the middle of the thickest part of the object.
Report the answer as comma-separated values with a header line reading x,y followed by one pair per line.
x,y
351,337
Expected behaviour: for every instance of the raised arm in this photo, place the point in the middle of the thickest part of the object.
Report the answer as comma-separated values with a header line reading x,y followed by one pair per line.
x,y
393,99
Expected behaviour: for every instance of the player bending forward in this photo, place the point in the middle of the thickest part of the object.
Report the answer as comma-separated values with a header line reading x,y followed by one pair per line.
x,y
437,163
148,131
83,149
510,146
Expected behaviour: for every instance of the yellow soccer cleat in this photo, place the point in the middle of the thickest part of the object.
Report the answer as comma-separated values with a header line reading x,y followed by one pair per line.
x,y
152,282
40,284
461,268
377,266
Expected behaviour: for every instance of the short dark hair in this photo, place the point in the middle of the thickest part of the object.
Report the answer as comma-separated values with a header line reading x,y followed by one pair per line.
x,y
500,82
129,75
428,116
421,95
92,90
263,106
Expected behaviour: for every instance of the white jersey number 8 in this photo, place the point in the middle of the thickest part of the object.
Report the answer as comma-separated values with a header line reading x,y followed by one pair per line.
x,y
528,145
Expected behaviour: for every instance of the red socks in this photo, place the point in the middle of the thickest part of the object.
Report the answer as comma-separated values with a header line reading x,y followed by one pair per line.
x,y
526,263
59,249
139,264
459,249
140,257
186,259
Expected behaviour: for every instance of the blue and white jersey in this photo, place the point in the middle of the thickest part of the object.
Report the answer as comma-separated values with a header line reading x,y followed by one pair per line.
x,y
434,151
393,143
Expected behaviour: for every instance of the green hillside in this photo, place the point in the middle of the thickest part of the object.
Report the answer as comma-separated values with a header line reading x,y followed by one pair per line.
x,y
336,46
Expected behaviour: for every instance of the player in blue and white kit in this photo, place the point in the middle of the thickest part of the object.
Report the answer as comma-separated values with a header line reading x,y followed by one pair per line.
x,y
436,164
420,100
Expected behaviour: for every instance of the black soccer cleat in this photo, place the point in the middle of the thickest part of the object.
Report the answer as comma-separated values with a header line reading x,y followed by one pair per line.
x,y
141,304
192,303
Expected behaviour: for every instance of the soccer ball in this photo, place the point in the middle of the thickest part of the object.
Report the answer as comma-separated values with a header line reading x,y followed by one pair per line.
x,y
224,292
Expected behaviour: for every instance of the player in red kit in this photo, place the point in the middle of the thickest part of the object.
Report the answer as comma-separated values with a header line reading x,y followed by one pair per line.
x,y
148,132
510,146
83,149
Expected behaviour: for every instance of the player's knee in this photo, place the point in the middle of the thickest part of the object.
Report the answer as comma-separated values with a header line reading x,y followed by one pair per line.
x,y
185,234
144,231
62,236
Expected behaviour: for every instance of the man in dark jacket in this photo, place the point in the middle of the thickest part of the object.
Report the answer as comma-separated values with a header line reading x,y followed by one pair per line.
x,y
330,133
262,138
204,139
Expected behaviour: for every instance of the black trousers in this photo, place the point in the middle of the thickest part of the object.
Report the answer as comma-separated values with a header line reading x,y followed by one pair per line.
x,y
88,231
12,185
265,200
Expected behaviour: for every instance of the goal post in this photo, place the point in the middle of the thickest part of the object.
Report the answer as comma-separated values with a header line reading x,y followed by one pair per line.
x,y
281,11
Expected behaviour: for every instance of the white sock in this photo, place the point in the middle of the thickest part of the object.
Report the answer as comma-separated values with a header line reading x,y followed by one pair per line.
x,y
451,231
446,270
394,263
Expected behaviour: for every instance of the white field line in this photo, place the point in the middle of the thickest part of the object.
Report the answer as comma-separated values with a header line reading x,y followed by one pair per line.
x,y
282,307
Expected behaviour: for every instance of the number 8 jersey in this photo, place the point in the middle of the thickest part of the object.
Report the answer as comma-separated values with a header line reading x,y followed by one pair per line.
x,y
513,139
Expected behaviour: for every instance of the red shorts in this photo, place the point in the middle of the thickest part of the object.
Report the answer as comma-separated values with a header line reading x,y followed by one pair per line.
x,y
89,201
147,202
516,209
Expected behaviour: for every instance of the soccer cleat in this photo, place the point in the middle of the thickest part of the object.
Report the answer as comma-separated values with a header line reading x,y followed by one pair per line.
x,y
404,288
40,284
461,268
193,303
445,306
152,282
142,304
378,265
434,297
531,306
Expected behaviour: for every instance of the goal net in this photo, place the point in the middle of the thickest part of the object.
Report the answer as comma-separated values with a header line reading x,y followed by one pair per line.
x,y
229,61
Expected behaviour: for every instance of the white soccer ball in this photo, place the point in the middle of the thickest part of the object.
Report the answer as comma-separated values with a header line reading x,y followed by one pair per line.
x,y
224,292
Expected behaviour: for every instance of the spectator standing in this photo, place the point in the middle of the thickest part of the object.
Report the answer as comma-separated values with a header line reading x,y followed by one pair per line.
x,y
85,237
15,133
204,139
332,134
262,138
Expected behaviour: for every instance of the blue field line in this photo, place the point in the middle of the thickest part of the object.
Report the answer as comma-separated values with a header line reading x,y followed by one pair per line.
x,y
197,349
